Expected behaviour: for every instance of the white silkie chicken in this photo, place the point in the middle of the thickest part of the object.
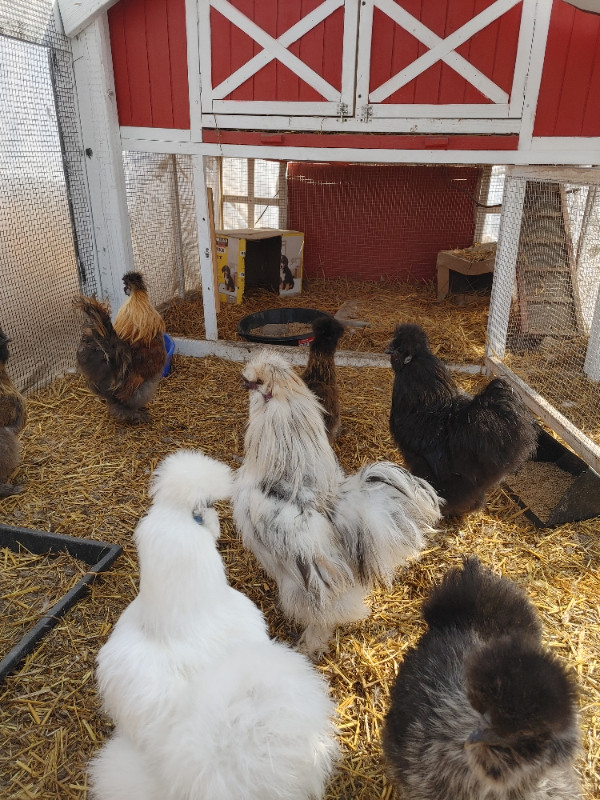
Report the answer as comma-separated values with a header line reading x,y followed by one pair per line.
x,y
206,706
326,538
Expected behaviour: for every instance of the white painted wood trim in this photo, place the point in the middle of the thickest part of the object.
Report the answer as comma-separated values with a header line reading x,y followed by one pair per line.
x,y
486,113
542,14
505,267
155,134
523,59
591,366
313,109
104,162
78,14
359,156
363,58
297,356
419,125
555,173
565,143
205,250
584,447
349,53
442,49
193,65
204,38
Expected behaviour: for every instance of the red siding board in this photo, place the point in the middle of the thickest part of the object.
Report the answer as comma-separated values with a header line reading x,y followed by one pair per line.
x,y
180,91
363,140
137,62
118,46
148,43
568,102
591,116
580,64
159,63
265,80
333,51
288,84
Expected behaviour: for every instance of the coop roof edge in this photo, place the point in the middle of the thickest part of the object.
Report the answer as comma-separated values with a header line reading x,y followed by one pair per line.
x,y
76,15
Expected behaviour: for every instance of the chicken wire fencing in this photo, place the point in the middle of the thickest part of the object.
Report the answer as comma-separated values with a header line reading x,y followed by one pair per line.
x,y
544,323
43,196
162,216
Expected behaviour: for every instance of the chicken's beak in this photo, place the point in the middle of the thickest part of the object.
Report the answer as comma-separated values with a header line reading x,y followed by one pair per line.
x,y
483,734
247,385
388,350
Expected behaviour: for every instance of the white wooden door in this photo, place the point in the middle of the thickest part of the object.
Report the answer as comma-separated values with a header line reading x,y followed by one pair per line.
x,y
443,59
275,57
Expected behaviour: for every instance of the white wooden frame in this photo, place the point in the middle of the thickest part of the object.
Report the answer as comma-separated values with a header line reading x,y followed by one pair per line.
x,y
92,66
504,276
212,96
443,50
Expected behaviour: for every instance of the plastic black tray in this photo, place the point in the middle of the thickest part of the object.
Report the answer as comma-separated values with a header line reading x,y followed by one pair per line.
x,y
99,555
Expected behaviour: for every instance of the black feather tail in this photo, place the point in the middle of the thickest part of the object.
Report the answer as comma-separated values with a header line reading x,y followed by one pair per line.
x,y
327,331
475,597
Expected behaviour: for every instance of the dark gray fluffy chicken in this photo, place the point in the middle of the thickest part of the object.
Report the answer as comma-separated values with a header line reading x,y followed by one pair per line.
x,y
479,710
463,445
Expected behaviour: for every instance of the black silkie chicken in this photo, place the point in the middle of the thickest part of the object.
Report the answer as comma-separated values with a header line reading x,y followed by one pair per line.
x,y
463,445
479,711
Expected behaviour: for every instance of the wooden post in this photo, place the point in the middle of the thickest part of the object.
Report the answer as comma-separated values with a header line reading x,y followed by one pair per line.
x,y
104,160
213,246
505,267
204,246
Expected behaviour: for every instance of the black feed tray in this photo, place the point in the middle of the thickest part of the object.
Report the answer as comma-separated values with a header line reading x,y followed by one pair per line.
x,y
99,555
279,316
579,501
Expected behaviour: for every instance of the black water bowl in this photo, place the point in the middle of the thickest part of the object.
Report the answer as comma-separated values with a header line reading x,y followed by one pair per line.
x,y
279,317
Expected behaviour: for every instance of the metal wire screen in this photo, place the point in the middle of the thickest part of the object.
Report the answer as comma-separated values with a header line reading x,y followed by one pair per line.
x,y
38,257
545,306
381,221
162,214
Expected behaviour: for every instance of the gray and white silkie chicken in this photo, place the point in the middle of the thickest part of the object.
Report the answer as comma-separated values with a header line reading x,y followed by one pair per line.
x,y
326,538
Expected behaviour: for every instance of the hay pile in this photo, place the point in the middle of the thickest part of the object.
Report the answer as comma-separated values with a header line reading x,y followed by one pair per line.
x,y
457,333
87,476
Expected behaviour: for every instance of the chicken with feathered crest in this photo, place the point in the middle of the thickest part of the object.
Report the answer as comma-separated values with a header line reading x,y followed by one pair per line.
x,y
325,537
123,362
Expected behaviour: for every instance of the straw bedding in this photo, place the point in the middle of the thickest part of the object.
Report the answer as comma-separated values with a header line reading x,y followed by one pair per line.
x,y
87,476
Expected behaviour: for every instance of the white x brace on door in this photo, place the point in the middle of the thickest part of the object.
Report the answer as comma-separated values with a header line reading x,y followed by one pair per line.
x,y
375,100
247,83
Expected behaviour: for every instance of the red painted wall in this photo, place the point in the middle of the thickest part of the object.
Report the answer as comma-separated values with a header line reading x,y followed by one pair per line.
x,y
569,100
368,222
148,42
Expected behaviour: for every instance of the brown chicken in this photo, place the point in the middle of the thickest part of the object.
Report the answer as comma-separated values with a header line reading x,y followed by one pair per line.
x,y
319,374
13,416
123,362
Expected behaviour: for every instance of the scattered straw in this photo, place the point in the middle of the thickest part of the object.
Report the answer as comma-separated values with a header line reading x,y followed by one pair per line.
x,y
87,476
456,334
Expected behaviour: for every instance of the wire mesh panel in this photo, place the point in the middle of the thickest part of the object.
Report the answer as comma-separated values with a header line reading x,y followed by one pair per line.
x,y
38,262
381,221
543,314
162,216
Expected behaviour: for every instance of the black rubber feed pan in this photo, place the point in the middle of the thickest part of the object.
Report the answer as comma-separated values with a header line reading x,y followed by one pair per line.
x,y
276,317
